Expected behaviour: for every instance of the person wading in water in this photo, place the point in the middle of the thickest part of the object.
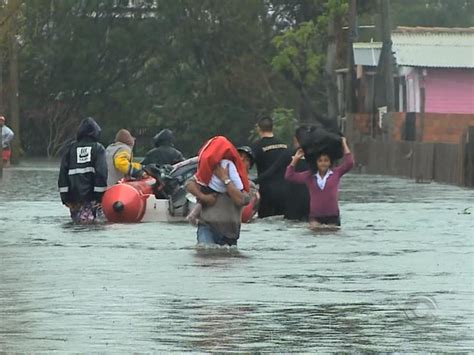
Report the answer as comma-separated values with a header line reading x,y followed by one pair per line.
x,y
222,188
83,174
323,185
7,137
271,158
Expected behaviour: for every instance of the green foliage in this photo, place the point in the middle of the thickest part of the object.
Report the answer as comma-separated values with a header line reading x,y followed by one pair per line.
x,y
433,13
297,54
301,56
425,13
284,125
197,67
334,8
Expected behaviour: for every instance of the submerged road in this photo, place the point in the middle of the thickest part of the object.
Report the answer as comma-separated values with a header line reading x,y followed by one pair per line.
x,y
397,277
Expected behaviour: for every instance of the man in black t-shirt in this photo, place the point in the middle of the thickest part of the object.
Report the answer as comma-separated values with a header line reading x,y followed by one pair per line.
x,y
271,158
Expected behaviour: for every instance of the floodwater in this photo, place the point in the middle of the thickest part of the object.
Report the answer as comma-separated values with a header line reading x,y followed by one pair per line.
x,y
397,277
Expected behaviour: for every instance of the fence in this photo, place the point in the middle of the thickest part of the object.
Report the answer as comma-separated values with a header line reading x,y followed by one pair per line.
x,y
421,127
468,158
424,162
440,147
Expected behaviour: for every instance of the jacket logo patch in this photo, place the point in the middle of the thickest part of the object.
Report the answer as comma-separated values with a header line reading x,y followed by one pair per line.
x,y
84,155
274,146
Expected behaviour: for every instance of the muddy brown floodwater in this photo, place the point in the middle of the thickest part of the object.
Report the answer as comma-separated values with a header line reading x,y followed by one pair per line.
x,y
397,277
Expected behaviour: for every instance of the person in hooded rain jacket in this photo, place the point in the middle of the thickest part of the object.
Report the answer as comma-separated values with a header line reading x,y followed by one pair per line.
x,y
164,152
83,173
120,159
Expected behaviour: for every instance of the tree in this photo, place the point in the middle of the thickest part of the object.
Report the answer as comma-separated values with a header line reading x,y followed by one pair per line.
x,y
197,67
205,73
307,55
8,40
433,13
81,59
216,70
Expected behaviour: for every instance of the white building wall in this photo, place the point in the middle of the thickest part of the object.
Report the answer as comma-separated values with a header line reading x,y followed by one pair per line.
x,y
413,88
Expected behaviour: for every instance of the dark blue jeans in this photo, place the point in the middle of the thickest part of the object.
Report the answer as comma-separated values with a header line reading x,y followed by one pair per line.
x,y
206,235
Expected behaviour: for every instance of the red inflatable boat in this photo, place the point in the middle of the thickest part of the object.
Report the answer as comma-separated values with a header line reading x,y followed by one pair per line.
x,y
127,202
137,201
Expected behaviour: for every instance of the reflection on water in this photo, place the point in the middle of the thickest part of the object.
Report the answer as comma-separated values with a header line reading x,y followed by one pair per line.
x,y
397,277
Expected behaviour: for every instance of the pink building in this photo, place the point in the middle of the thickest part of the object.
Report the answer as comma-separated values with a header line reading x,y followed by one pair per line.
x,y
449,90
437,64
435,68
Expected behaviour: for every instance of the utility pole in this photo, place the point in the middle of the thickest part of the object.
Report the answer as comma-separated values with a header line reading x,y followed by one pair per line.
x,y
13,66
351,37
387,54
331,57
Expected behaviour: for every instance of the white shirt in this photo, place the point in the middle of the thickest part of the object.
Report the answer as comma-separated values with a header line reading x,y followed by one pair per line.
x,y
217,185
322,180
7,136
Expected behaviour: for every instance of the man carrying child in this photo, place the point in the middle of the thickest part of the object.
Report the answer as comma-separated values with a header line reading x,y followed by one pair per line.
x,y
221,186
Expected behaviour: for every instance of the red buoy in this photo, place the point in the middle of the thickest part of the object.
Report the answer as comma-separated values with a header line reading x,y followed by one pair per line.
x,y
126,202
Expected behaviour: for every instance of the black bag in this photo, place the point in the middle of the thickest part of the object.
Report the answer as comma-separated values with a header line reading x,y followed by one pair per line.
x,y
316,140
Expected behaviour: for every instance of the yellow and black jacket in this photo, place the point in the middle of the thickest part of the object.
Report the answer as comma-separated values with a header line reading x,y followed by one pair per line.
x,y
120,164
